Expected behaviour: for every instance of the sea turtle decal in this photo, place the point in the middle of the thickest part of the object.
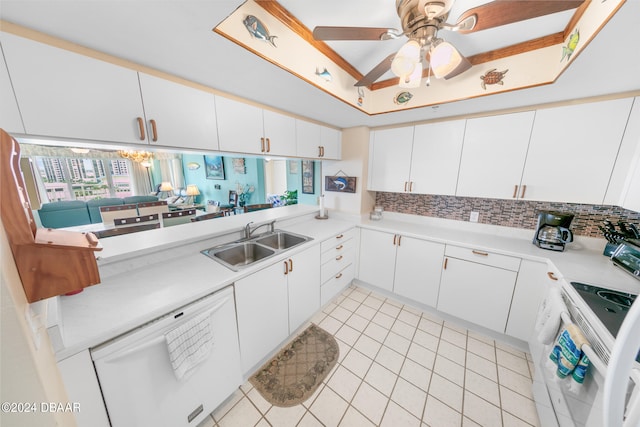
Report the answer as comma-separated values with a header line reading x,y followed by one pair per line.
x,y
492,77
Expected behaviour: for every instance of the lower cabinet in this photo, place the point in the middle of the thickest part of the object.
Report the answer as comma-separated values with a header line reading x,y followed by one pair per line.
x,y
337,264
273,302
477,286
377,258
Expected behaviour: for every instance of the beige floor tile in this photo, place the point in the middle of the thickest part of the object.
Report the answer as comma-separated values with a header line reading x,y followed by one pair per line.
x,y
370,402
357,363
515,363
510,349
367,346
481,348
344,349
426,340
328,308
350,304
285,417
242,414
446,391
416,374
246,387
340,313
481,337
409,397
330,325
359,294
347,334
376,332
397,342
226,406
390,309
381,378
373,302
438,414
353,418
357,322
434,318
423,356
403,329
466,422
482,386
518,405
454,337
409,316
449,369
329,407
207,422
259,401
456,327
509,420
393,302
307,403
452,352
366,312
383,320
308,420
263,423
515,382
390,359
396,416
345,383
481,411
482,366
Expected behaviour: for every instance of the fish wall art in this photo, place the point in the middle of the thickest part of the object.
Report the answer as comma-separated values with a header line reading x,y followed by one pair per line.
x,y
258,30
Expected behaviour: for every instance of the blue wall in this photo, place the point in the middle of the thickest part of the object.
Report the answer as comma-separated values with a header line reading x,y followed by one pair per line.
x,y
294,182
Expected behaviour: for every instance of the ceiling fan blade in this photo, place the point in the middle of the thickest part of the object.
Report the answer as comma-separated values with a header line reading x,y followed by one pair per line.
x,y
354,33
463,66
502,12
376,72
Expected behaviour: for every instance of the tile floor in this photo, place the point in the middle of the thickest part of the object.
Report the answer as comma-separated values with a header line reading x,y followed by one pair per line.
x,y
399,366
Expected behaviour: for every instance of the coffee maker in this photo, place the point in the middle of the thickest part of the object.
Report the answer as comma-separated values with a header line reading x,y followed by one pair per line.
x,y
552,230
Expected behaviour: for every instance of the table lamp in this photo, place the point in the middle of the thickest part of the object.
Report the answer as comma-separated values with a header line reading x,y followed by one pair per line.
x,y
192,192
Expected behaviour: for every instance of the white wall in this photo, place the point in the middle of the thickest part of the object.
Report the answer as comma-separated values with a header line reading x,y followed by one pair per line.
x,y
355,152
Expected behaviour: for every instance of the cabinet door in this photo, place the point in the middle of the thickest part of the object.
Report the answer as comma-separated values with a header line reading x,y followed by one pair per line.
x,y
493,155
183,116
308,139
377,258
418,268
64,94
304,287
240,126
390,159
435,158
331,142
262,310
475,292
531,287
573,150
11,120
280,134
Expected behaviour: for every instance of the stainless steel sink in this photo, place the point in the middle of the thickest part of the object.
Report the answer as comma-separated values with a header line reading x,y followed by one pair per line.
x,y
281,240
240,254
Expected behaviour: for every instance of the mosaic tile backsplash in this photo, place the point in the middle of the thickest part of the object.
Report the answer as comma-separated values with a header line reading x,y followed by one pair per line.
x,y
509,213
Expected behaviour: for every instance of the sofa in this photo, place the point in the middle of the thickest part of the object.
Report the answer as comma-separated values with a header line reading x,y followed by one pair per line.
x,y
70,213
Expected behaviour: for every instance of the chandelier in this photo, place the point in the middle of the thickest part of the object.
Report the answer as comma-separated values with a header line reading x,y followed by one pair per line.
x,y
136,156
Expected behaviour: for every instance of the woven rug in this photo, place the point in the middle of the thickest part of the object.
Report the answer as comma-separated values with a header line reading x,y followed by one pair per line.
x,y
297,370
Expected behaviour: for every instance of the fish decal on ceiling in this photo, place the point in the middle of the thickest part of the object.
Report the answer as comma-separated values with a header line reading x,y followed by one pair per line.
x,y
492,77
402,98
567,50
257,29
326,75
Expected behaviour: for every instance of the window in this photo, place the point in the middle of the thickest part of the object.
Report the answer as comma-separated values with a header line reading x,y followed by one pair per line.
x,y
79,178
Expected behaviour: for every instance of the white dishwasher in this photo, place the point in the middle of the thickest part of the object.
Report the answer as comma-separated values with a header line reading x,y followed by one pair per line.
x,y
141,386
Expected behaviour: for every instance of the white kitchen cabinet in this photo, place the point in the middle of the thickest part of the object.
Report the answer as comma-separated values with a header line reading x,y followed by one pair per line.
x,y
493,156
262,307
331,143
11,121
573,150
244,128
477,286
337,264
377,258
390,159
417,270
303,278
178,115
534,279
64,94
435,158
315,141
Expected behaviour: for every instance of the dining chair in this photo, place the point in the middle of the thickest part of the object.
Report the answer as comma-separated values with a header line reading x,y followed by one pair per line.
x,y
150,208
109,213
207,216
152,219
177,217
258,207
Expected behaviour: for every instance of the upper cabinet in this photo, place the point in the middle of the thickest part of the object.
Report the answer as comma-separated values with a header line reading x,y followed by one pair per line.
x,y
11,120
64,94
495,149
317,142
573,150
245,128
390,159
178,115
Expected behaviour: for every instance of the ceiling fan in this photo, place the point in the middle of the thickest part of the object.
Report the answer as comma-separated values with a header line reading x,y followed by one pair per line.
x,y
422,19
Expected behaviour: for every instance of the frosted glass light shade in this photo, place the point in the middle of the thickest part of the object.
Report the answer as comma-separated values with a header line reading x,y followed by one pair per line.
x,y
446,61
406,59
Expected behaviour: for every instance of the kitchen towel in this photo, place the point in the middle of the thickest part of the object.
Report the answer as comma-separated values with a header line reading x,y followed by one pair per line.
x,y
549,316
567,355
189,345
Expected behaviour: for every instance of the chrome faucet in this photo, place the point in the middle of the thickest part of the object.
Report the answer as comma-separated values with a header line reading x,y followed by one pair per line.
x,y
248,231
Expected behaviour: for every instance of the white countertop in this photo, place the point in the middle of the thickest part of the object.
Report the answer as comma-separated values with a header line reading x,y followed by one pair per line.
x,y
148,274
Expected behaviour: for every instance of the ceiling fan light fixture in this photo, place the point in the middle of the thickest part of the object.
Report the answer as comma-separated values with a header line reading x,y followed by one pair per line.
x,y
406,59
412,81
446,61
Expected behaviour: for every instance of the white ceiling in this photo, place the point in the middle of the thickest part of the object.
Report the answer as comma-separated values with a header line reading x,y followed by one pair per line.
x,y
176,36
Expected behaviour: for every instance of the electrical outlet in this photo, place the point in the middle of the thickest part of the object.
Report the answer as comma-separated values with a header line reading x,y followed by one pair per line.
x,y
474,216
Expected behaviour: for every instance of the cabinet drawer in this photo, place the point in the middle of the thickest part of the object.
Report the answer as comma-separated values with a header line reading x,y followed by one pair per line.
x,y
335,264
337,250
335,284
337,240
483,257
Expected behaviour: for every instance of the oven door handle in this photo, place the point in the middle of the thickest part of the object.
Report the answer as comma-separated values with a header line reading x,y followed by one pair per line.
x,y
594,359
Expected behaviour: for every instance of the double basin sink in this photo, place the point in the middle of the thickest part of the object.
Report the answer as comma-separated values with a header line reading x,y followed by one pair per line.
x,y
243,253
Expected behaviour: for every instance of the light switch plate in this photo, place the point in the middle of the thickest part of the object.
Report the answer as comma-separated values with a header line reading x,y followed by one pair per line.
x,y
474,216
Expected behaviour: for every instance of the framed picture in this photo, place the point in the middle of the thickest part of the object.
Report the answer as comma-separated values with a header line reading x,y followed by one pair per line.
x,y
239,166
294,166
342,184
214,167
308,177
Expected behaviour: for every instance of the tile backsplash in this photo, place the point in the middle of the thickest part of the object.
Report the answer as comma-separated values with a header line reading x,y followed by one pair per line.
x,y
509,213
